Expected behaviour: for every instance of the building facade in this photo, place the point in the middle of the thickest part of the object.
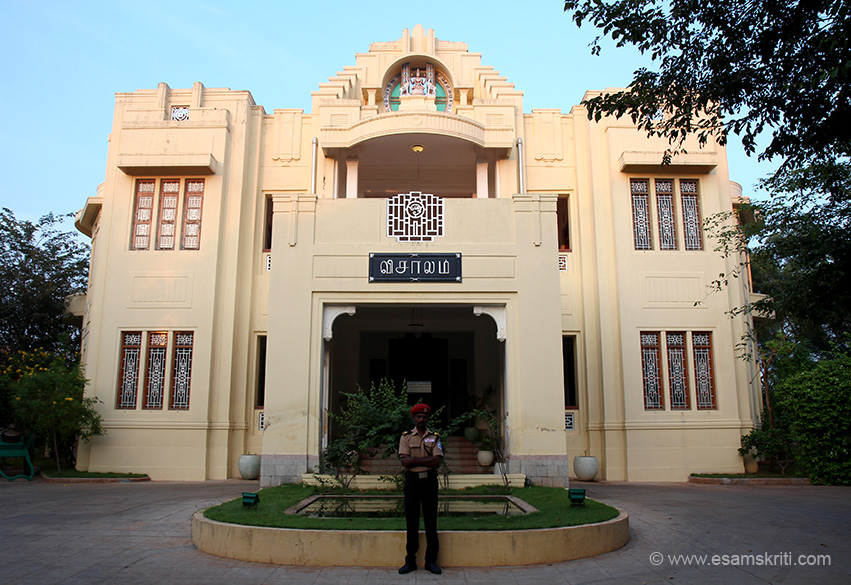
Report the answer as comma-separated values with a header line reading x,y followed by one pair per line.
x,y
249,267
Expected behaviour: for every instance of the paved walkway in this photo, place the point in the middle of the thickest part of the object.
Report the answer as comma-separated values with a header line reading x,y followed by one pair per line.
x,y
140,534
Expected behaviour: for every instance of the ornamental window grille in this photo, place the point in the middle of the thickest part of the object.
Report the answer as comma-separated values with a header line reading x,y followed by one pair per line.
x,y
180,113
650,369
182,372
569,420
128,375
169,193
677,370
142,212
704,376
414,217
691,215
192,214
640,214
665,212
156,371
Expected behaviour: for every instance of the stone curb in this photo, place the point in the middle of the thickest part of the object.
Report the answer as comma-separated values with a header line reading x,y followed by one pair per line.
x,y
381,548
756,481
48,479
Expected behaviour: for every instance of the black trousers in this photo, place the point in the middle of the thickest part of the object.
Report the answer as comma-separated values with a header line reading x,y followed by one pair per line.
x,y
421,493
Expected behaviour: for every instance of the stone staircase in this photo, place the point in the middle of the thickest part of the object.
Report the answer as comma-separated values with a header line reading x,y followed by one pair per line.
x,y
460,456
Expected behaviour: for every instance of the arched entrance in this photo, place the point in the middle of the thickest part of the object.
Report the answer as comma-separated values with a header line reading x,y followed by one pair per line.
x,y
448,356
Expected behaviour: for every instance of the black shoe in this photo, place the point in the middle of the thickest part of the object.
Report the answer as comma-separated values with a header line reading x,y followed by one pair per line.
x,y
408,568
432,568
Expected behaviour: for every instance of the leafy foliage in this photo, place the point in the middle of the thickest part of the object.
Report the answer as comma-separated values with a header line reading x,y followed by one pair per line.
x,y
737,66
819,403
47,401
802,254
369,420
798,253
40,266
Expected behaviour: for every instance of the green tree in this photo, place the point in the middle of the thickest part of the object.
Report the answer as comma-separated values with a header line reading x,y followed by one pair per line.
x,y
798,253
47,398
745,67
40,265
801,253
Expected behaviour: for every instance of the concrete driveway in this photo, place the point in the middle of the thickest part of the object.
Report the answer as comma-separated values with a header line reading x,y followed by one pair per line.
x,y
139,533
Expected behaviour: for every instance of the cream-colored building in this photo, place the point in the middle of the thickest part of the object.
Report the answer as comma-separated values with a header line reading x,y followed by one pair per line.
x,y
249,266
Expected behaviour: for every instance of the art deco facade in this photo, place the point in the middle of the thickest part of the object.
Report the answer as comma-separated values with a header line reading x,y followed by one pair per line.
x,y
250,266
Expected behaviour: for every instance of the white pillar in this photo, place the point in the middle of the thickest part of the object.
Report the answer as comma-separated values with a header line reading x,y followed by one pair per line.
x,y
482,179
352,179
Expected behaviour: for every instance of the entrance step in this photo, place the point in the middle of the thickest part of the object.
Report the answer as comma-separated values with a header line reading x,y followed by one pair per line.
x,y
460,457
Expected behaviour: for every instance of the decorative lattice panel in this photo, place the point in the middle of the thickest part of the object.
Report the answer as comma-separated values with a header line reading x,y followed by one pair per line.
x,y
691,215
155,379
192,218
640,214
131,349
677,371
703,378
665,211
650,363
414,217
180,113
183,343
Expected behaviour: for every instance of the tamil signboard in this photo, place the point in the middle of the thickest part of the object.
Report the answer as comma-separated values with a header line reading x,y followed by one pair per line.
x,y
415,267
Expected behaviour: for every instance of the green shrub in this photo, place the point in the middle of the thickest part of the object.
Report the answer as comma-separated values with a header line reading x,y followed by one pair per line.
x,y
369,420
819,403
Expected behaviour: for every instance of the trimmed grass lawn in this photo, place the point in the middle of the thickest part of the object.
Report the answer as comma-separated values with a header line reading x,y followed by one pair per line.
x,y
554,510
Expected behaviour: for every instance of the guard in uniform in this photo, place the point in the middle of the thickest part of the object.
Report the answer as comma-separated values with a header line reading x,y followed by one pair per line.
x,y
421,454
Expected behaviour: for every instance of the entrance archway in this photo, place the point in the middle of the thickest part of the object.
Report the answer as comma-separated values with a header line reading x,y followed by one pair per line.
x,y
449,357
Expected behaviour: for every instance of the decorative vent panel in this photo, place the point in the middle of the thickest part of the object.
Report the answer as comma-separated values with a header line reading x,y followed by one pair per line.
x,y
414,217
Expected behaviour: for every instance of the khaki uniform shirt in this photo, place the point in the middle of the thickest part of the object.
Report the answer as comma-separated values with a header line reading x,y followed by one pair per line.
x,y
415,445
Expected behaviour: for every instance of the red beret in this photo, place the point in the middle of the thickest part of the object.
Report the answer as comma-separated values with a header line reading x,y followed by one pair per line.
x,y
420,408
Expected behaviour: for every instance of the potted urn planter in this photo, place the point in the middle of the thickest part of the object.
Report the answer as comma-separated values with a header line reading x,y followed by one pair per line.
x,y
485,458
249,466
585,467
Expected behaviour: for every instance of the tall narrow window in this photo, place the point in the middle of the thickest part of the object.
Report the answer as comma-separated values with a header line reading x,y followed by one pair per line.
x,y
192,214
182,376
155,376
665,211
563,224
142,212
128,376
170,190
676,342
691,215
704,376
640,214
650,370
568,357
267,225
260,400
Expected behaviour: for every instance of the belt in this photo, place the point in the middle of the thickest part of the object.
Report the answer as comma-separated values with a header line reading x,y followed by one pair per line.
x,y
431,473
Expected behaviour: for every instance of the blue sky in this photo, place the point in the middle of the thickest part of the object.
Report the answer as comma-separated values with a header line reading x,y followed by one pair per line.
x,y
62,62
